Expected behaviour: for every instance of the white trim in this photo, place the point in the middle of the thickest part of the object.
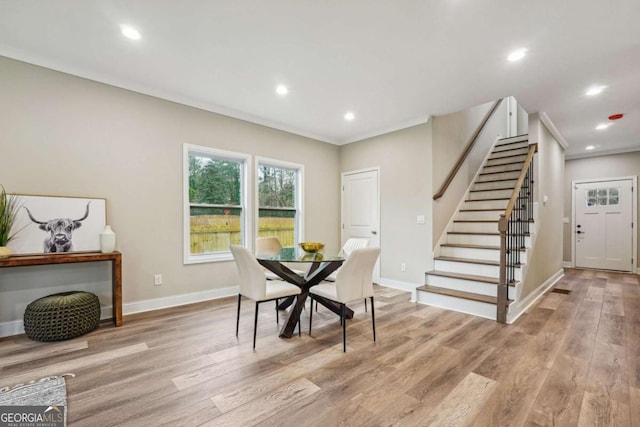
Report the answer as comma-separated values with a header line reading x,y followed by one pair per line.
x,y
595,153
16,327
567,264
299,232
634,213
397,284
518,307
404,125
246,230
376,269
546,121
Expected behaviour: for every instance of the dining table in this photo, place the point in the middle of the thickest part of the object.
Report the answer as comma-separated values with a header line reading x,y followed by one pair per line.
x,y
318,267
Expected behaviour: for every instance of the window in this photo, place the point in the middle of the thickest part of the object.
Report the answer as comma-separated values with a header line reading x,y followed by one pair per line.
x,y
215,203
279,201
603,197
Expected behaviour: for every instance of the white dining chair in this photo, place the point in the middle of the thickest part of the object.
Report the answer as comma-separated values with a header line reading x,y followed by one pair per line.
x,y
271,246
349,246
253,285
354,281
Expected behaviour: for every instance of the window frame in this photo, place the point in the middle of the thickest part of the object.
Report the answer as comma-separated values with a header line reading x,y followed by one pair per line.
x,y
299,199
245,230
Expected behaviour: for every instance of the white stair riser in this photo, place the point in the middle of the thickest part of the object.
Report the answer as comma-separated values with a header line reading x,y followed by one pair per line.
x,y
486,204
503,147
471,268
513,151
476,227
482,288
493,194
479,239
501,175
517,138
493,185
490,215
475,308
493,162
470,253
502,168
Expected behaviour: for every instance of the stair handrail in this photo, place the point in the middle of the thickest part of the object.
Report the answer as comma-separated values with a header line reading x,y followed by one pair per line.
x,y
503,228
467,150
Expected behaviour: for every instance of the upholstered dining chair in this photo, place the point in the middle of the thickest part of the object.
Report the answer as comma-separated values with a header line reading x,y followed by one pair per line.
x,y
269,246
354,281
253,285
349,246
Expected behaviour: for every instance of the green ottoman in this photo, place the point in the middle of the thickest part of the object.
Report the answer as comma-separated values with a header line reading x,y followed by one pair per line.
x,y
62,316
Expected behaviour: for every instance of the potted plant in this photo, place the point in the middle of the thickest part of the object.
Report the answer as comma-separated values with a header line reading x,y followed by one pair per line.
x,y
9,206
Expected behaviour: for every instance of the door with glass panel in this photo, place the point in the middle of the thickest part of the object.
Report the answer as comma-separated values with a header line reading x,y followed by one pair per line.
x,y
603,224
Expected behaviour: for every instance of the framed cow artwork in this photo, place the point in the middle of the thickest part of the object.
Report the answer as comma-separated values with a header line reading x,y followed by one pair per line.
x,y
52,224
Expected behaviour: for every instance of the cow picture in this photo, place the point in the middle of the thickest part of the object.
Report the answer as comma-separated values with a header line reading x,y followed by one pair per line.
x,y
54,224
60,231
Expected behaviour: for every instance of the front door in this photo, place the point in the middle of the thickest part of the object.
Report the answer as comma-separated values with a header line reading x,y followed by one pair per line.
x,y
603,225
360,209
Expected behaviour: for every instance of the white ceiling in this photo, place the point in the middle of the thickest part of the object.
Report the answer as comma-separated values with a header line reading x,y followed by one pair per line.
x,y
393,63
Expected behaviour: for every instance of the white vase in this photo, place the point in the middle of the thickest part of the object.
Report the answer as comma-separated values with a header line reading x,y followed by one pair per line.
x,y
5,252
107,240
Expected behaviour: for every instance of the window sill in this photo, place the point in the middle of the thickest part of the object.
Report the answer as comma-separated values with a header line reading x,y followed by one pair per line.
x,y
201,259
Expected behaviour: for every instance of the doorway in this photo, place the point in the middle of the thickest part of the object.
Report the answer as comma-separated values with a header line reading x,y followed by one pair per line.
x,y
604,234
361,208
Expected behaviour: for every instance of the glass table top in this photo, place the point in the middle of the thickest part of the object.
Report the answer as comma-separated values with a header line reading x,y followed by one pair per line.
x,y
294,254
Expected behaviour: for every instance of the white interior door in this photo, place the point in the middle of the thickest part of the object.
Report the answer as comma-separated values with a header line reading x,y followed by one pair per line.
x,y
361,208
603,225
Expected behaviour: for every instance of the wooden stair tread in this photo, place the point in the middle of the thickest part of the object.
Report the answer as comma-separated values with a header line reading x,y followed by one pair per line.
x,y
511,149
491,189
487,200
493,173
505,157
517,136
505,164
475,220
483,234
487,210
471,261
471,277
496,180
458,294
464,245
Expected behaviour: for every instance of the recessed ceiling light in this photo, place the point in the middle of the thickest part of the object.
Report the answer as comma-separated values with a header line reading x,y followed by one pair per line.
x,y
517,55
603,126
595,90
130,32
589,147
349,116
282,90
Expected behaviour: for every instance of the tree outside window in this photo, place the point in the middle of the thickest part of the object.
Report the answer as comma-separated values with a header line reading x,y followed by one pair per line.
x,y
278,213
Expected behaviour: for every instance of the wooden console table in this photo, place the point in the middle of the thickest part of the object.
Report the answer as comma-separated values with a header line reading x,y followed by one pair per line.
x,y
65,258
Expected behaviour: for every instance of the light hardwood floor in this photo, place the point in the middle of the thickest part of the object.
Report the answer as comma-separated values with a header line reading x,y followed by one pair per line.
x,y
572,359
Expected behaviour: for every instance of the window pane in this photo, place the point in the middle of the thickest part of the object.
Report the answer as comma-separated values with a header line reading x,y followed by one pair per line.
x,y
276,187
277,223
214,229
214,181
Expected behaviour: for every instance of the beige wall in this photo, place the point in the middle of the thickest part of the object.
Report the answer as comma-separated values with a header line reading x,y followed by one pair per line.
x,y
545,258
405,160
63,135
451,133
615,165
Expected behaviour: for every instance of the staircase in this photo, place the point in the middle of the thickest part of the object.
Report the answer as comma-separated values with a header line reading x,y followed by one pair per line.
x,y
467,265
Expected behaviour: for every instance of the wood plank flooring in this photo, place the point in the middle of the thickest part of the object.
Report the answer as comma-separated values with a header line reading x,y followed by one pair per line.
x,y
571,360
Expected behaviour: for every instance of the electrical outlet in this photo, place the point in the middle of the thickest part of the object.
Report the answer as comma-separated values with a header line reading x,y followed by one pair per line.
x,y
403,267
157,279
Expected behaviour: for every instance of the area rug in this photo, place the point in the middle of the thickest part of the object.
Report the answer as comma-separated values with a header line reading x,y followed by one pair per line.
x,y
37,403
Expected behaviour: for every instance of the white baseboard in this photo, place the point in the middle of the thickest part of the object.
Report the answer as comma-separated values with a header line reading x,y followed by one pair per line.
x,y
567,264
397,284
16,327
516,309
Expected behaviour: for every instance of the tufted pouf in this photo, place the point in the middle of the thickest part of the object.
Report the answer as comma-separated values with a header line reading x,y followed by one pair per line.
x,y
62,316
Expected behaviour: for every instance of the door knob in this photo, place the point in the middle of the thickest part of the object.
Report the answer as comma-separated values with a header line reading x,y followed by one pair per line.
x,y
374,232
578,226
579,232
